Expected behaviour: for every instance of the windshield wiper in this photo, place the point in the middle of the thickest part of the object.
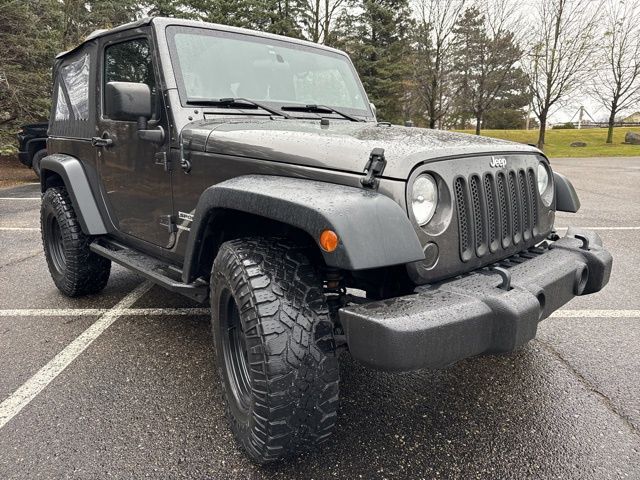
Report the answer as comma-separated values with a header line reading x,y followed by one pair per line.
x,y
232,102
320,109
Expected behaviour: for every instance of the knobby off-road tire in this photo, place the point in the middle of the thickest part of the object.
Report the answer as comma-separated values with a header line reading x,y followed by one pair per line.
x,y
275,350
75,269
37,158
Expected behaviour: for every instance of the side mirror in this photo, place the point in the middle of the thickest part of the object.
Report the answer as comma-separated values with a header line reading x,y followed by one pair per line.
x,y
128,101
131,101
373,109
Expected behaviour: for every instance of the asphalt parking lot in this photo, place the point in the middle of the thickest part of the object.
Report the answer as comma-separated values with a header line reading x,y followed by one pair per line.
x,y
141,399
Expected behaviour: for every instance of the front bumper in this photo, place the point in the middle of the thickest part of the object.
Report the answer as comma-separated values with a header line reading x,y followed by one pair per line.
x,y
472,315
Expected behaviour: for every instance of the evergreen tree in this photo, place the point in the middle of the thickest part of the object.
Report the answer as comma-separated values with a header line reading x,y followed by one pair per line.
x,y
78,18
32,33
173,8
376,35
485,67
282,17
238,13
29,42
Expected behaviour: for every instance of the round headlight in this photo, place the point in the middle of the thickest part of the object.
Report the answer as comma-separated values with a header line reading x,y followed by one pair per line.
x,y
424,198
543,184
543,179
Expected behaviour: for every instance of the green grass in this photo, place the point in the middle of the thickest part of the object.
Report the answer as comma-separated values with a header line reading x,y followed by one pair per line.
x,y
558,141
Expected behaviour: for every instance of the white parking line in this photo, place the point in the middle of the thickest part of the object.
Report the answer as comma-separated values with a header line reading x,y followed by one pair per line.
x,y
19,399
81,312
19,229
602,228
20,198
596,314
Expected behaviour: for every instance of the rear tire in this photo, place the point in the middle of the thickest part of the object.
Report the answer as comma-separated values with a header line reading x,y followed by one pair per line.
x,y
37,158
74,268
275,350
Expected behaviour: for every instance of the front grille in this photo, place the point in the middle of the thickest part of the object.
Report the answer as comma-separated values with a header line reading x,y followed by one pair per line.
x,y
465,246
504,209
532,192
479,220
515,208
496,211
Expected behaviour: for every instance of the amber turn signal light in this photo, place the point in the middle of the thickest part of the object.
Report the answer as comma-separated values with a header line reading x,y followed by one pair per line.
x,y
328,240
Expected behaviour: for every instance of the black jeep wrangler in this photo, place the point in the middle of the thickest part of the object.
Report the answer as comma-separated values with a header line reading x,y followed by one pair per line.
x,y
32,145
249,170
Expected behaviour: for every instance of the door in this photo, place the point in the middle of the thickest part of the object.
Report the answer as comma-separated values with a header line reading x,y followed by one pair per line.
x,y
134,181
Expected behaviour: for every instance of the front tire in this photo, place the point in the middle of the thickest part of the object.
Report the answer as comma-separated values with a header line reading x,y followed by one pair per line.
x,y
74,268
275,349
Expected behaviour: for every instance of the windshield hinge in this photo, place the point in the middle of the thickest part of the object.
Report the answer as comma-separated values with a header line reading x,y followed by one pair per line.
x,y
375,167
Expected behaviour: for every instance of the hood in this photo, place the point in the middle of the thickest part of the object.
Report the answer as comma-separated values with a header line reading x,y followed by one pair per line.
x,y
341,145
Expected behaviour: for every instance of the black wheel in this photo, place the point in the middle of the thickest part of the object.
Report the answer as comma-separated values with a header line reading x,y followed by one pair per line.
x,y
37,158
75,269
275,349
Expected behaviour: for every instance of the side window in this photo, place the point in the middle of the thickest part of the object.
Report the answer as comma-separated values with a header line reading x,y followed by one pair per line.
x,y
74,78
130,62
62,109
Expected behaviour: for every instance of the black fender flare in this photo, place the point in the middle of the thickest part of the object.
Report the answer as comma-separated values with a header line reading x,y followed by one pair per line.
x,y
75,181
373,230
566,197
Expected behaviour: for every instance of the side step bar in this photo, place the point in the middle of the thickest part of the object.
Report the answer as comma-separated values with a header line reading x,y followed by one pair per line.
x,y
151,268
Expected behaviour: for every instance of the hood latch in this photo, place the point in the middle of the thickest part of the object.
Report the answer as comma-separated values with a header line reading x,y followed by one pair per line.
x,y
375,167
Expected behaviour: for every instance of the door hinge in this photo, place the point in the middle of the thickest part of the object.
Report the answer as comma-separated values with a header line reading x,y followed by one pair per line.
x,y
375,167
163,159
169,221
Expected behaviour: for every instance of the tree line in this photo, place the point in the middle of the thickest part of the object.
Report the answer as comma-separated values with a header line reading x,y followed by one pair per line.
x,y
434,63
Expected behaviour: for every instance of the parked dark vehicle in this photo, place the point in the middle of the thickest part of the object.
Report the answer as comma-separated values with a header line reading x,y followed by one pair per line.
x,y
249,170
32,145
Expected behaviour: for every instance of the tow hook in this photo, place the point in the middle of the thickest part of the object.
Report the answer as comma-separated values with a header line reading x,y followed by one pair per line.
x,y
584,240
505,275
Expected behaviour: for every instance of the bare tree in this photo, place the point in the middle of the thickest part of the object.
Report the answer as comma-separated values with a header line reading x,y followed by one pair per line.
x,y
433,41
616,84
503,16
313,19
563,35
319,16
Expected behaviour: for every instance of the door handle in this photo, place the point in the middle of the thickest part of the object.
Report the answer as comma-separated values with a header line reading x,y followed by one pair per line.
x,y
101,142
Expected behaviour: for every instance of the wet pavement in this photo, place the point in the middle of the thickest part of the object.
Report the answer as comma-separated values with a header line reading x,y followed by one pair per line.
x,y
142,400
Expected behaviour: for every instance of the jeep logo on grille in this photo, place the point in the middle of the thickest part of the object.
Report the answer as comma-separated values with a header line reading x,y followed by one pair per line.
x,y
498,162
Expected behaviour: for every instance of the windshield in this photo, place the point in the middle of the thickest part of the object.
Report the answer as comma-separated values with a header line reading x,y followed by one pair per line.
x,y
213,65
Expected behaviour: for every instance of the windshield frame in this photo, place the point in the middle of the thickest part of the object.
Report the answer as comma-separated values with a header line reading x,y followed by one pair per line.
x,y
185,102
